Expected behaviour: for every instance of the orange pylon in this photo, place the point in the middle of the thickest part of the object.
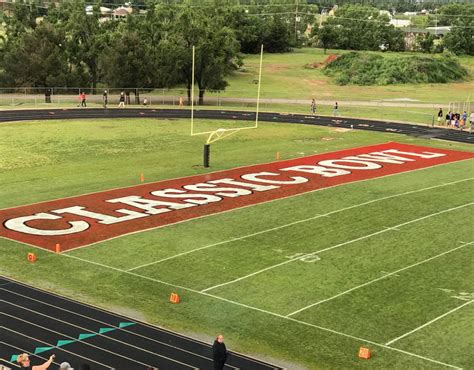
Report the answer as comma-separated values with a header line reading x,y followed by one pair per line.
x,y
174,298
364,353
142,177
57,248
31,257
278,156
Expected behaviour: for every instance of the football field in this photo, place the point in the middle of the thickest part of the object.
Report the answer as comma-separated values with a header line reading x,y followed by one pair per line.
x,y
302,281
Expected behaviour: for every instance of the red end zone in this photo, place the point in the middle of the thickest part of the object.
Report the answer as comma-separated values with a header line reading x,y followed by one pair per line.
x,y
83,220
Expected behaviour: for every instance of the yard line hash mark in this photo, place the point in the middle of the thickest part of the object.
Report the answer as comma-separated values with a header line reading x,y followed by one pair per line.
x,y
335,246
428,323
394,273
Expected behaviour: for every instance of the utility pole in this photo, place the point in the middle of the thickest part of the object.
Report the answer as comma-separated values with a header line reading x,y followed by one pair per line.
x,y
296,22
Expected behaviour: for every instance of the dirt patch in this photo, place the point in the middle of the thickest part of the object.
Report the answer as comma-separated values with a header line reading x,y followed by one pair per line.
x,y
277,67
331,58
340,129
327,138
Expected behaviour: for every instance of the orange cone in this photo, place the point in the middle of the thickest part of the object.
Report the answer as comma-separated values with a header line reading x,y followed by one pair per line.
x,y
142,177
278,156
31,257
57,248
174,298
364,353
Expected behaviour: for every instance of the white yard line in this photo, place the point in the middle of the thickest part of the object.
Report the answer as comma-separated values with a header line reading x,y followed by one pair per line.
x,y
378,279
295,223
384,230
428,323
262,311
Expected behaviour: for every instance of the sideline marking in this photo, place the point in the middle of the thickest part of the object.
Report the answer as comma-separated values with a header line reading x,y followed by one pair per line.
x,y
295,223
335,246
263,311
378,279
428,323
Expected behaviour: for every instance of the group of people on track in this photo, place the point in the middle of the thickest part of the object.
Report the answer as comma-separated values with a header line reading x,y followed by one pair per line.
x,y
456,120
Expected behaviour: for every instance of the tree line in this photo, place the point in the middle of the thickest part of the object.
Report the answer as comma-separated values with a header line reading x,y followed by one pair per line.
x,y
68,47
62,45
361,27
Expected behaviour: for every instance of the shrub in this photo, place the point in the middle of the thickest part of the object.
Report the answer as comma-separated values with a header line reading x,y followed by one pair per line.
x,y
376,69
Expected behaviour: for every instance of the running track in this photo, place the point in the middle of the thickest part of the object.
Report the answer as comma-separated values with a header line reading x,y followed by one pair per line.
x,y
41,323
359,124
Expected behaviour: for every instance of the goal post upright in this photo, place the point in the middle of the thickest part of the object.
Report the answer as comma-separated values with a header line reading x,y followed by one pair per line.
x,y
219,134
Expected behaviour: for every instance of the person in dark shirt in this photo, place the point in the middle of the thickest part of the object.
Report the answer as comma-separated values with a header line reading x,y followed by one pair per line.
x,y
24,362
219,353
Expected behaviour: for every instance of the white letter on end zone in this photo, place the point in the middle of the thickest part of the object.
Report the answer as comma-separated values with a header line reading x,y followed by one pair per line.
x,y
318,170
19,224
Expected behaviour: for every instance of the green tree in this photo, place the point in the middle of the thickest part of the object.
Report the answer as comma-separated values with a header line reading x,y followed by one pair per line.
x,y
86,38
22,19
360,27
425,42
37,59
217,50
125,63
451,14
460,40
326,35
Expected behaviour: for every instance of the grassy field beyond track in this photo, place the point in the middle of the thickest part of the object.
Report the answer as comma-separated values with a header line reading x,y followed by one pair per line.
x,y
285,76
393,253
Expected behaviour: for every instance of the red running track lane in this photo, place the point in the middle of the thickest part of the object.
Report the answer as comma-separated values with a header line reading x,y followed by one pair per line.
x,y
15,226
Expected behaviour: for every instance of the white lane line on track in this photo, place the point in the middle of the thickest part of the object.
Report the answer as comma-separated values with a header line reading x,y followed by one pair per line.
x,y
294,223
61,349
92,332
333,247
428,323
108,324
137,320
21,350
378,279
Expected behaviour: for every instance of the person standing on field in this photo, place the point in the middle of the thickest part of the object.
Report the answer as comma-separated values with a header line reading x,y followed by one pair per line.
x,y
82,97
440,115
448,118
335,111
219,353
122,100
105,98
313,106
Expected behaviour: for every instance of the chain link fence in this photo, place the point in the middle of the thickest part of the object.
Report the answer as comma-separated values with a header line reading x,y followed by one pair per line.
x,y
60,97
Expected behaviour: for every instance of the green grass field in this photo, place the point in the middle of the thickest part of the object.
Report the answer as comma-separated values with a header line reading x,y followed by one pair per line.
x,y
394,252
285,76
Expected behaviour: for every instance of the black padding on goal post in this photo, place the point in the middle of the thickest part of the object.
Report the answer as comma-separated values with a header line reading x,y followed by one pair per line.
x,y
207,154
